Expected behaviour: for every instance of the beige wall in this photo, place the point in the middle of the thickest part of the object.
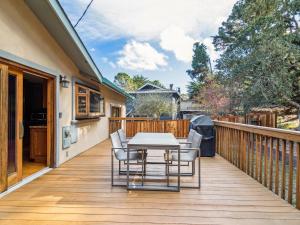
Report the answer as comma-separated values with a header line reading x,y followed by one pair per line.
x,y
91,133
24,36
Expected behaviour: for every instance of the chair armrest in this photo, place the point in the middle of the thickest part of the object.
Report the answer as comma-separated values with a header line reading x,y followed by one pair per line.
x,y
125,149
184,150
185,142
181,139
188,149
119,148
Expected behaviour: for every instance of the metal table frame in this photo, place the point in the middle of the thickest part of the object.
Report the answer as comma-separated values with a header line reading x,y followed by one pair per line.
x,y
157,143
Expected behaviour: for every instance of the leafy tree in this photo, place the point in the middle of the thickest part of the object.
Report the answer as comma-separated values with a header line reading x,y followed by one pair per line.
x,y
201,67
157,83
129,83
124,81
260,46
213,96
153,106
193,88
139,80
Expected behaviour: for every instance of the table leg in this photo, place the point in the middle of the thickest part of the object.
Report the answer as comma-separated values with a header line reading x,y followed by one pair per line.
x,y
143,167
168,168
178,169
128,168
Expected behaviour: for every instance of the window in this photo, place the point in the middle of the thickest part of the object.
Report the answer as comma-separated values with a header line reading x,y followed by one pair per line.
x,y
115,111
89,103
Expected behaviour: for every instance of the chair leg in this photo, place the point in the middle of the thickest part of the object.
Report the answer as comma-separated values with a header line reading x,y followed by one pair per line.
x,y
193,168
168,168
199,172
112,168
143,164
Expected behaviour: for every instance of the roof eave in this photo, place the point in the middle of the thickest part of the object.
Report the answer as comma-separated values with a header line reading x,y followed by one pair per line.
x,y
75,47
115,88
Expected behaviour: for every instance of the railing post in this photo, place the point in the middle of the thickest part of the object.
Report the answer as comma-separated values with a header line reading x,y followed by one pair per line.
x,y
290,183
271,165
283,179
266,150
298,177
277,168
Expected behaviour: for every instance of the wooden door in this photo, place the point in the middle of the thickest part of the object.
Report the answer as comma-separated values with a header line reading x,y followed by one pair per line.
x,y
15,126
3,126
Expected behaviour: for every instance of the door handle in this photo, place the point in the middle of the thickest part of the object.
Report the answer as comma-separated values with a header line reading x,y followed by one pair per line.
x,y
21,130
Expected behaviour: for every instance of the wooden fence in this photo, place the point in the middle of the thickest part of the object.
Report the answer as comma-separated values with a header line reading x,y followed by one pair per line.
x,y
265,119
179,128
269,155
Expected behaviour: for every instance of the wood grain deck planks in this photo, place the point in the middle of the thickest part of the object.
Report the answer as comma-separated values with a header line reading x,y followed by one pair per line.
x,y
79,192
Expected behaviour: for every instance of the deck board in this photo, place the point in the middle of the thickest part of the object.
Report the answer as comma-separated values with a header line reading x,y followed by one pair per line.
x,y
79,192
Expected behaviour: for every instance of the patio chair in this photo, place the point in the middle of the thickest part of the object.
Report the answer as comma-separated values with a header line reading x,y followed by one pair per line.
x,y
187,142
123,138
186,155
120,153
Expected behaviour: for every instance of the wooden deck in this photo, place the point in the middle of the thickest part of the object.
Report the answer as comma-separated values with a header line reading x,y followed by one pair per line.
x,y
79,192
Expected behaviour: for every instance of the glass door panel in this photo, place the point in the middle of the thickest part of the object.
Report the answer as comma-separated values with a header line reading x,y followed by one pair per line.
x,y
15,127
12,126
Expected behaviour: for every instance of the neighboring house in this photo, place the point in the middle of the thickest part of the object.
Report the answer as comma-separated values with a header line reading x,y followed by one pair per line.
x,y
54,102
150,89
190,108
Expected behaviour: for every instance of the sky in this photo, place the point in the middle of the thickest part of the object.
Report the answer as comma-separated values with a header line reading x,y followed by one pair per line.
x,y
153,38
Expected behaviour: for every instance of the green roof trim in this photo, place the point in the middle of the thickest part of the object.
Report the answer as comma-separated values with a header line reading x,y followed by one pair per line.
x,y
113,86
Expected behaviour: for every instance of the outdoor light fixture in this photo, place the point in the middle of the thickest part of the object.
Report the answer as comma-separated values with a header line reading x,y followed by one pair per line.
x,y
63,81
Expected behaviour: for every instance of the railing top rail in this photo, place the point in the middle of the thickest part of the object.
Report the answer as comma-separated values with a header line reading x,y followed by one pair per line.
x,y
130,118
266,131
141,119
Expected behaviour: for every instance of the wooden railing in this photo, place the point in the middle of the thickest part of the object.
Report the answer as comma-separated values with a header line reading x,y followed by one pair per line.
x,y
179,128
269,155
265,119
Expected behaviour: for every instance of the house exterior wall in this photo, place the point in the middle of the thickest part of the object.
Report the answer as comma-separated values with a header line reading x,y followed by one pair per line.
x,y
23,35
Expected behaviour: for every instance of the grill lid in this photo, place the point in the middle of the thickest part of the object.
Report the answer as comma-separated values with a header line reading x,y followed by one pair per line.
x,y
202,120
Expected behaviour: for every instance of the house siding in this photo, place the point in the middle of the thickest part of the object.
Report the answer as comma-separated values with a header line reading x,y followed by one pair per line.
x,y
23,35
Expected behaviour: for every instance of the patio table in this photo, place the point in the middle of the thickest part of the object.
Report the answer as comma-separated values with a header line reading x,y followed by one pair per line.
x,y
154,141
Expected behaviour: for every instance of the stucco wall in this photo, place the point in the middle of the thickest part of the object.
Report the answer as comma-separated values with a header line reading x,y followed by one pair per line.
x,y
24,36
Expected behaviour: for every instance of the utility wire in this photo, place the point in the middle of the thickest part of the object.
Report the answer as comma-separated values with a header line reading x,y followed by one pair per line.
x,y
83,13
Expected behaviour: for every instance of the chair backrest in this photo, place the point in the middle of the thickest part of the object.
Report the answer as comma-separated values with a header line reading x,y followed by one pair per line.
x,y
191,135
116,142
196,142
122,135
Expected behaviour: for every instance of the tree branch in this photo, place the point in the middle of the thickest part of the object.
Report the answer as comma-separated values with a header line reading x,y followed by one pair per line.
x,y
291,102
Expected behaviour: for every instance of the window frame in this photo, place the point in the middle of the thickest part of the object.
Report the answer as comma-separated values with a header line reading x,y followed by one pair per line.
x,y
119,108
87,114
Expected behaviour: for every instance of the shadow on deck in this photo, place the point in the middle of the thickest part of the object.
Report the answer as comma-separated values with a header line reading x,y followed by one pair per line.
x,y
79,192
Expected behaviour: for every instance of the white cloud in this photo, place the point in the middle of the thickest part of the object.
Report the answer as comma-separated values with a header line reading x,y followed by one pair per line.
x,y
112,64
147,19
174,39
141,56
92,49
104,59
175,24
